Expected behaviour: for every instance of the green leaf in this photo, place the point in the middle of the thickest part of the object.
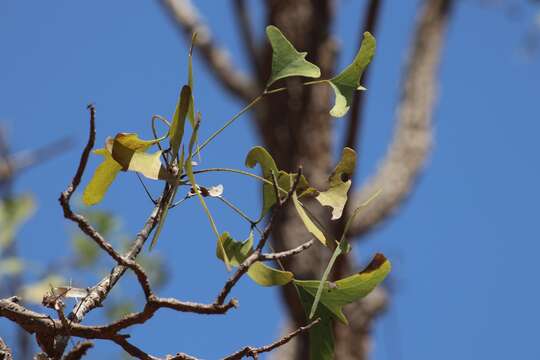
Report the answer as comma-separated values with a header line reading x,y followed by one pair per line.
x,y
321,336
179,120
340,183
259,155
286,60
308,223
13,213
348,81
102,179
236,251
268,276
345,291
138,160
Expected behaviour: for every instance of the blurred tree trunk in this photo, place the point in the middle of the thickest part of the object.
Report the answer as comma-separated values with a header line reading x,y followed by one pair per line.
x,y
297,130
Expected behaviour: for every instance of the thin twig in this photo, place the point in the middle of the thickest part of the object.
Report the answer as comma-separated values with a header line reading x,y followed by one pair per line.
x,y
78,351
283,254
254,352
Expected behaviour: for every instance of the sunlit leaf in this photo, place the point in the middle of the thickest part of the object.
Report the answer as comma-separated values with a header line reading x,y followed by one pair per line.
x,y
125,152
13,213
286,60
179,120
236,251
268,276
348,81
308,222
345,291
102,179
340,183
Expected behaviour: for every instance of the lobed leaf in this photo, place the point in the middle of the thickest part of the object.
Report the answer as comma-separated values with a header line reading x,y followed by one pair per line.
x,y
236,251
340,183
286,60
348,81
102,179
347,290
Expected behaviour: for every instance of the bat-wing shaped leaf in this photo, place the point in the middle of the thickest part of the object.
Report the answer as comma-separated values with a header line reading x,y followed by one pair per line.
x,y
102,179
348,81
179,119
347,290
259,155
236,251
286,60
340,183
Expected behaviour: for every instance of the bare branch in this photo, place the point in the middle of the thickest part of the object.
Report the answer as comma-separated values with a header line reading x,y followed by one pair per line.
x,y
409,149
283,254
254,352
246,31
187,19
78,351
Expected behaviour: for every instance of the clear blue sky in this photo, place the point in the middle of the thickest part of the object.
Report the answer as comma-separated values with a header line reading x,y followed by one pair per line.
x,y
464,248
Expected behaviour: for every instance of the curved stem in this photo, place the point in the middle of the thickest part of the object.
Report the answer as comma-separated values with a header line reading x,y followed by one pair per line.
x,y
237,210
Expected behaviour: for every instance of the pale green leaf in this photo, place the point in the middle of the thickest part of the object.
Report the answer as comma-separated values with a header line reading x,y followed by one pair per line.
x,y
13,213
286,60
308,223
236,251
345,291
259,155
340,183
268,276
348,81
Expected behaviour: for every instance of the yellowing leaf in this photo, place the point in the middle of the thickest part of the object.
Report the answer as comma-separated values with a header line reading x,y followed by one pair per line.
x,y
348,81
340,183
268,276
102,179
345,291
286,60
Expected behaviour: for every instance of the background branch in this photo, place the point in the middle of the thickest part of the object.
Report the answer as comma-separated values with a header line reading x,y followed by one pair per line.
x,y
408,151
186,17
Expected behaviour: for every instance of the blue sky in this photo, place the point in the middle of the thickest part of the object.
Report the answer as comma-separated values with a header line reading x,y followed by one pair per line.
x,y
464,248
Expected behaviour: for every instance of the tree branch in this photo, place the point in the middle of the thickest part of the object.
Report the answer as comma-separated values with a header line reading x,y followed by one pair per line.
x,y
246,31
78,351
184,14
410,146
254,352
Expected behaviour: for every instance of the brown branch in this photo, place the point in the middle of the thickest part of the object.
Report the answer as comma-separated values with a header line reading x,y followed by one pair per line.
x,y
5,351
283,254
410,146
254,352
246,31
186,17
78,351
